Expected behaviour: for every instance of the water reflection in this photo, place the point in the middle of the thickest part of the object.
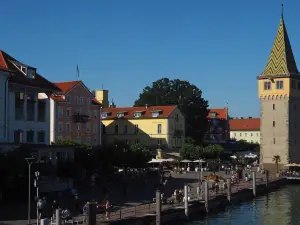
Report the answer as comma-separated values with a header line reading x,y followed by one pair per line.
x,y
277,208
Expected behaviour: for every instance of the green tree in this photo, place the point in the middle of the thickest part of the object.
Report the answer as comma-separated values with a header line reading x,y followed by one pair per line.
x,y
139,155
213,151
191,152
184,94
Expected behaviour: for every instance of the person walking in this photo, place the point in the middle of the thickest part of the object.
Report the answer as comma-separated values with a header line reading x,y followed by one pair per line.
x,y
107,206
40,207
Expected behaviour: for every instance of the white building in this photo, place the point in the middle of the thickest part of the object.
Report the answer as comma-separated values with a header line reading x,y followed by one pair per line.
x,y
25,115
245,129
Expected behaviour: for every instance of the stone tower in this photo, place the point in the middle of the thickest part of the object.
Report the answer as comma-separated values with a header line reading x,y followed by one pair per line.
x,y
279,94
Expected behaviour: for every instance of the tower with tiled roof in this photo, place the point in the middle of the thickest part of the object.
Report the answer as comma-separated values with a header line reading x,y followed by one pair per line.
x,y
279,93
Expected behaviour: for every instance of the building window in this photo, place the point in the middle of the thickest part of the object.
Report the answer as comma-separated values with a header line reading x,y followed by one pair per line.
x,y
68,98
136,128
251,134
95,114
274,141
125,129
159,128
88,140
41,136
293,84
59,127
273,106
68,127
279,84
240,134
19,106
60,111
41,110
68,112
77,100
88,100
235,134
267,85
137,114
137,141
81,100
95,141
30,136
273,123
59,138
31,100
78,139
245,134
212,115
103,129
18,136
116,129
88,127
89,113
78,125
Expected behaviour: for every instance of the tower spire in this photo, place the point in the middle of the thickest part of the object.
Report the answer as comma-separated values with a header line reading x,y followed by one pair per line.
x,y
282,11
281,60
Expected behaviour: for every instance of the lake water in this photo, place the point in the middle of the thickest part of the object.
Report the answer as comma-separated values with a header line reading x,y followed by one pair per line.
x,y
277,208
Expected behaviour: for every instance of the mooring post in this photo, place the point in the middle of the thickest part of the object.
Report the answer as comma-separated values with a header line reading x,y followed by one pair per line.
x,y
186,200
57,217
206,196
229,189
254,183
158,207
91,214
267,178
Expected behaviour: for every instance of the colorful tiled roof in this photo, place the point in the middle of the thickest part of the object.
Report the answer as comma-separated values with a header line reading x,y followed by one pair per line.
x,y
244,124
281,60
65,87
146,112
220,113
18,77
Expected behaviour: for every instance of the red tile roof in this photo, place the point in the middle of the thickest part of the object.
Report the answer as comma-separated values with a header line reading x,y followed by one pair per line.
x,y
6,62
244,124
221,113
146,112
66,86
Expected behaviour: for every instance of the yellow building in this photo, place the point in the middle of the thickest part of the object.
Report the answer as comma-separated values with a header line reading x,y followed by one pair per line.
x,y
155,126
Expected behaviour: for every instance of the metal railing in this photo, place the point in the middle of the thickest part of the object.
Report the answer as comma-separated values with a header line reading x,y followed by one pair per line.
x,y
150,208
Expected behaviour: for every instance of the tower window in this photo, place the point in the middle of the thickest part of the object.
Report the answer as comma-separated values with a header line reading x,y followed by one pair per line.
x,y
267,85
274,141
279,84
273,123
273,106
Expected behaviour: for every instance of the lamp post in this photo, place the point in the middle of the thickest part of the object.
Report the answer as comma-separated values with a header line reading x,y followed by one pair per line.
x,y
29,162
37,174
200,174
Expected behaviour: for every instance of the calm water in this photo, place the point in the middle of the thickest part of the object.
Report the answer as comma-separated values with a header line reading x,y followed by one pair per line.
x,y
277,208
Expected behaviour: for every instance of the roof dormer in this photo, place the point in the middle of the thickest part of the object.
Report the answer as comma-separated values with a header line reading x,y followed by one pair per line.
x,y
138,114
156,113
104,115
26,70
121,114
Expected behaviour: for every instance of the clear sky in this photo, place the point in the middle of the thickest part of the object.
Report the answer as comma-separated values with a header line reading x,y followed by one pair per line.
x,y
124,45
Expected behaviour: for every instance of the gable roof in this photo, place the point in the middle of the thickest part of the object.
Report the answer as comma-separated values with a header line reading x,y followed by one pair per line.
x,y
251,124
67,86
19,78
281,60
166,111
222,113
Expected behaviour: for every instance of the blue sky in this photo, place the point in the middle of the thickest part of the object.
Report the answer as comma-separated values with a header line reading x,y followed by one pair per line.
x,y
124,45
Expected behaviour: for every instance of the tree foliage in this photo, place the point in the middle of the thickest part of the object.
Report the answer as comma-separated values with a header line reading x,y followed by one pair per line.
x,y
194,152
184,94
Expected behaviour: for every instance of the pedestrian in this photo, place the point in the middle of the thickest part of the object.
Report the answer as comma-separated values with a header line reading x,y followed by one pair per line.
x,y
54,208
40,207
107,206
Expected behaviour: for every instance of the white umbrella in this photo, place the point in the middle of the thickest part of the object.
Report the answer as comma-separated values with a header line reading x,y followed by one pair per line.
x,y
169,160
156,161
233,156
186,161
250,155
201,161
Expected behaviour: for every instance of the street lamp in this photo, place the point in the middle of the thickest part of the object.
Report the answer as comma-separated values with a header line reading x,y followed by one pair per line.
x,y
37,174
29,162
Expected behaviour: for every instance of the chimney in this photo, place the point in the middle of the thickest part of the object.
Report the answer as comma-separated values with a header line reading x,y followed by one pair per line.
x,y
242,118
249,117
146,106
112,104
102,97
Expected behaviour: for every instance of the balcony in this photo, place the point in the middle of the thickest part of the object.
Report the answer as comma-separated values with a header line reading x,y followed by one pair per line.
x,y
80,118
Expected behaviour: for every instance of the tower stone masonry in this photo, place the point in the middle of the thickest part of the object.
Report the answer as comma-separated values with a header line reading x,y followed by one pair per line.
x,y
279,94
